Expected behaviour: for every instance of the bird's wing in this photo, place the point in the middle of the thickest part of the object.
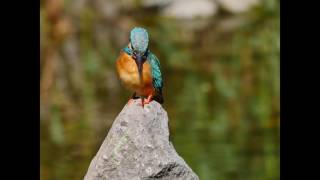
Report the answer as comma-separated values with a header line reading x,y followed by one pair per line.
x,y
156,72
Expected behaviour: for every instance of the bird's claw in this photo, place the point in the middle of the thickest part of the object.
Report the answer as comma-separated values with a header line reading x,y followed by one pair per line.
x,y
130,101
144,101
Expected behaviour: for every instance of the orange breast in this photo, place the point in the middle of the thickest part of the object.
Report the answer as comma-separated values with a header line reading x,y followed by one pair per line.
x,y
129,76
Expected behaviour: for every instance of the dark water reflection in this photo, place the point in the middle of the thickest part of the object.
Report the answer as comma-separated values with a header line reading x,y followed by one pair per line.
x,y
222,97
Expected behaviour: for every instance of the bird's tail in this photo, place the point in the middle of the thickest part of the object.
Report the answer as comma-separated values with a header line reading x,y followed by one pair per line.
x,y
158,96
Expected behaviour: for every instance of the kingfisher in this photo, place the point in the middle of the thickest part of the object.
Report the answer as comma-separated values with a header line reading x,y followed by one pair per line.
x,y
139,69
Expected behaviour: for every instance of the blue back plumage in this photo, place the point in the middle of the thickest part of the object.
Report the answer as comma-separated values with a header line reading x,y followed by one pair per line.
x,y
139,40
156,72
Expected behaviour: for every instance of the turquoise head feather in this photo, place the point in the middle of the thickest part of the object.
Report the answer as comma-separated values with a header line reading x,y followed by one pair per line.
x,y
139,40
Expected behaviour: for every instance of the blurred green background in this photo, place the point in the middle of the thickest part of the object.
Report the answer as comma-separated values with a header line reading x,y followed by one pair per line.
x,y
220,64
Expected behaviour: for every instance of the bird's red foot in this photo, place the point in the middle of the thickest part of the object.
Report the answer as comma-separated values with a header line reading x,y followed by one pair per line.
x,y
145,101
148,100
130,101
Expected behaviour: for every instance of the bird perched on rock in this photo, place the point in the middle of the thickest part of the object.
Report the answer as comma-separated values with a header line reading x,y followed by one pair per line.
x,y
139,69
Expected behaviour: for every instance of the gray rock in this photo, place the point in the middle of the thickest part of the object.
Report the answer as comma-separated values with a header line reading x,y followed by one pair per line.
x,y
137,147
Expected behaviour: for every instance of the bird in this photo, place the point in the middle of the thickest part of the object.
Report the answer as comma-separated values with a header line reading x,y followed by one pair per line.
x,y
139,69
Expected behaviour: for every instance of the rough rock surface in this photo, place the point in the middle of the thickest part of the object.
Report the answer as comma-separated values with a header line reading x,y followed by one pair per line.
x,y
137,147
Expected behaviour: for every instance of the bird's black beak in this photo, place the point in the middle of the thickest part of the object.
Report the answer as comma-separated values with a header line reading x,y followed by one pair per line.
x,y
139,61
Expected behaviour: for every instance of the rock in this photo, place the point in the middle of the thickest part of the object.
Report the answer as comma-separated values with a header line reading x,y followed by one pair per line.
x,y
137,147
